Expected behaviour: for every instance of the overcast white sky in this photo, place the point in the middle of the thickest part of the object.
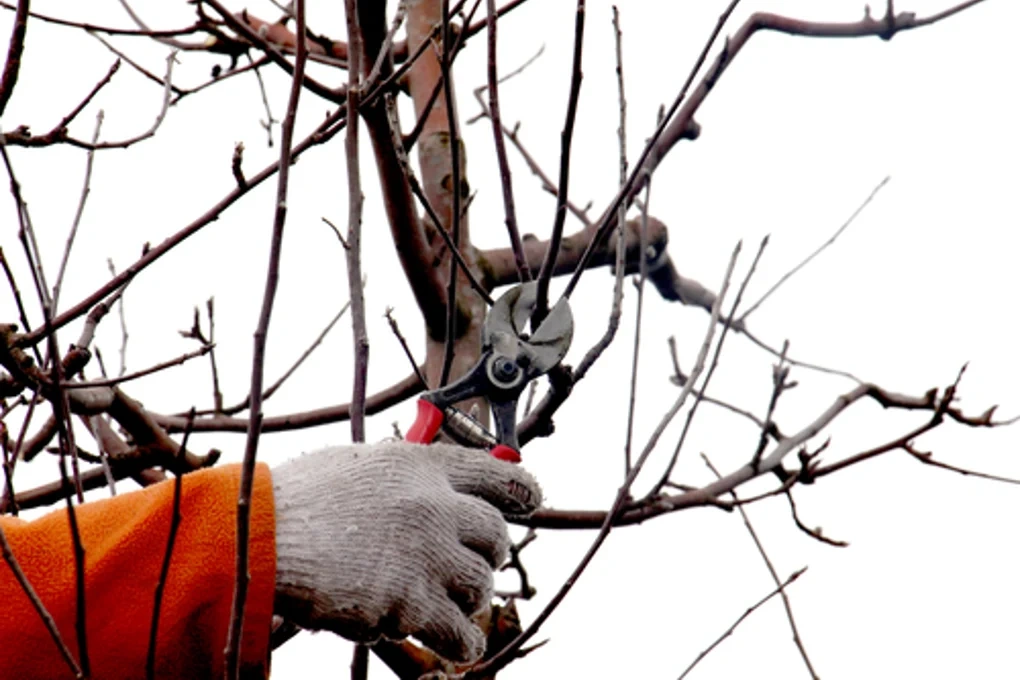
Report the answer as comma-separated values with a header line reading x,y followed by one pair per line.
x,y
795,136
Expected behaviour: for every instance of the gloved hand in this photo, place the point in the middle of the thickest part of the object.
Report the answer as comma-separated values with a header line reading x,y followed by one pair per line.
x,y
395,539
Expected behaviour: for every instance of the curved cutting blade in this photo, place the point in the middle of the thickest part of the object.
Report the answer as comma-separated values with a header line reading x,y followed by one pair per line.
x,y
504,329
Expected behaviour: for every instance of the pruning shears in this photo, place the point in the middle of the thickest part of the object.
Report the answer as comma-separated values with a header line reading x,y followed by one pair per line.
x,y
510,360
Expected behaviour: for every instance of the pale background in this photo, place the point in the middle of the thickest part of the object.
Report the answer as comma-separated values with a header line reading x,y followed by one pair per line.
x,y
795,136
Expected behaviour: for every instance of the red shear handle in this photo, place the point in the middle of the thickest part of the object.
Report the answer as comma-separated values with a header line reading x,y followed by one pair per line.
x,y
504,452
430,418
426,424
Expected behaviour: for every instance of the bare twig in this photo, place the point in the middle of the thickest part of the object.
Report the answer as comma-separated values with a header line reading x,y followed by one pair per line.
x,y
119,297
403,345
780,372
355,54
232,653
711,371
16,45
505,179
785,277
772,572
65,433
445,62
750,610
506,655
37,604
168,91
323,133
639,170
268,123
107,382
566,137
164,571
196,28
815,533
22,312
85,189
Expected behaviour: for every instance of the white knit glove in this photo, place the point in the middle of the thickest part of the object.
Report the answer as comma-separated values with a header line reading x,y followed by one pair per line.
x,y
395,539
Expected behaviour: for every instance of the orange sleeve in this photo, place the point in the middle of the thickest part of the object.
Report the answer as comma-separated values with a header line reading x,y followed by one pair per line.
x,y
125,541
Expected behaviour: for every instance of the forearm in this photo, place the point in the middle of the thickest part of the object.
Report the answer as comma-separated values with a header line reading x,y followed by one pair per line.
x,y
125,541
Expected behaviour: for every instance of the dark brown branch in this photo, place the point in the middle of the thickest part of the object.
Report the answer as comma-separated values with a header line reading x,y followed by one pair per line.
x,y
16,45
566,137
413,249
241,576
499,269
403,345
355,199
380,401
506,655
456,219
637,512
164,570
65,434
505,180
107,382
240,27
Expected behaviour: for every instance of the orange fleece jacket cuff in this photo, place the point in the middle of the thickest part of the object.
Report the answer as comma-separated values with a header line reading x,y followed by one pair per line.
x,y
125,540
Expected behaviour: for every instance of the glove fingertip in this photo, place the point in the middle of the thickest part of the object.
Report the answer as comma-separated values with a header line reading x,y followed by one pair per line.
x,y
506,486
463,642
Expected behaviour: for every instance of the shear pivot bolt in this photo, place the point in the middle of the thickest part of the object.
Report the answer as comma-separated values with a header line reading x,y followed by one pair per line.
x,y
504,370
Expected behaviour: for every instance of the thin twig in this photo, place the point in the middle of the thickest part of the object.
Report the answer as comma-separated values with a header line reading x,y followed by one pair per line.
x,y
65,432
241,577
22,312
37,604
210,310
639,170
107,382
403,344
123,321
506,655
750,610
566,137
445,62
711,371
505,179
772,572
16,45
815,533
323,133
61,127
85,190
355,198
785,277
9,502
780,372
196,28
164,571
268,124
416,189
26,234
168,91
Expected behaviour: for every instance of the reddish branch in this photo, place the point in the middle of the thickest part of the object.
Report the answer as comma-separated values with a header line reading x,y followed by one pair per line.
x,y
12,66
241,576
708,495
